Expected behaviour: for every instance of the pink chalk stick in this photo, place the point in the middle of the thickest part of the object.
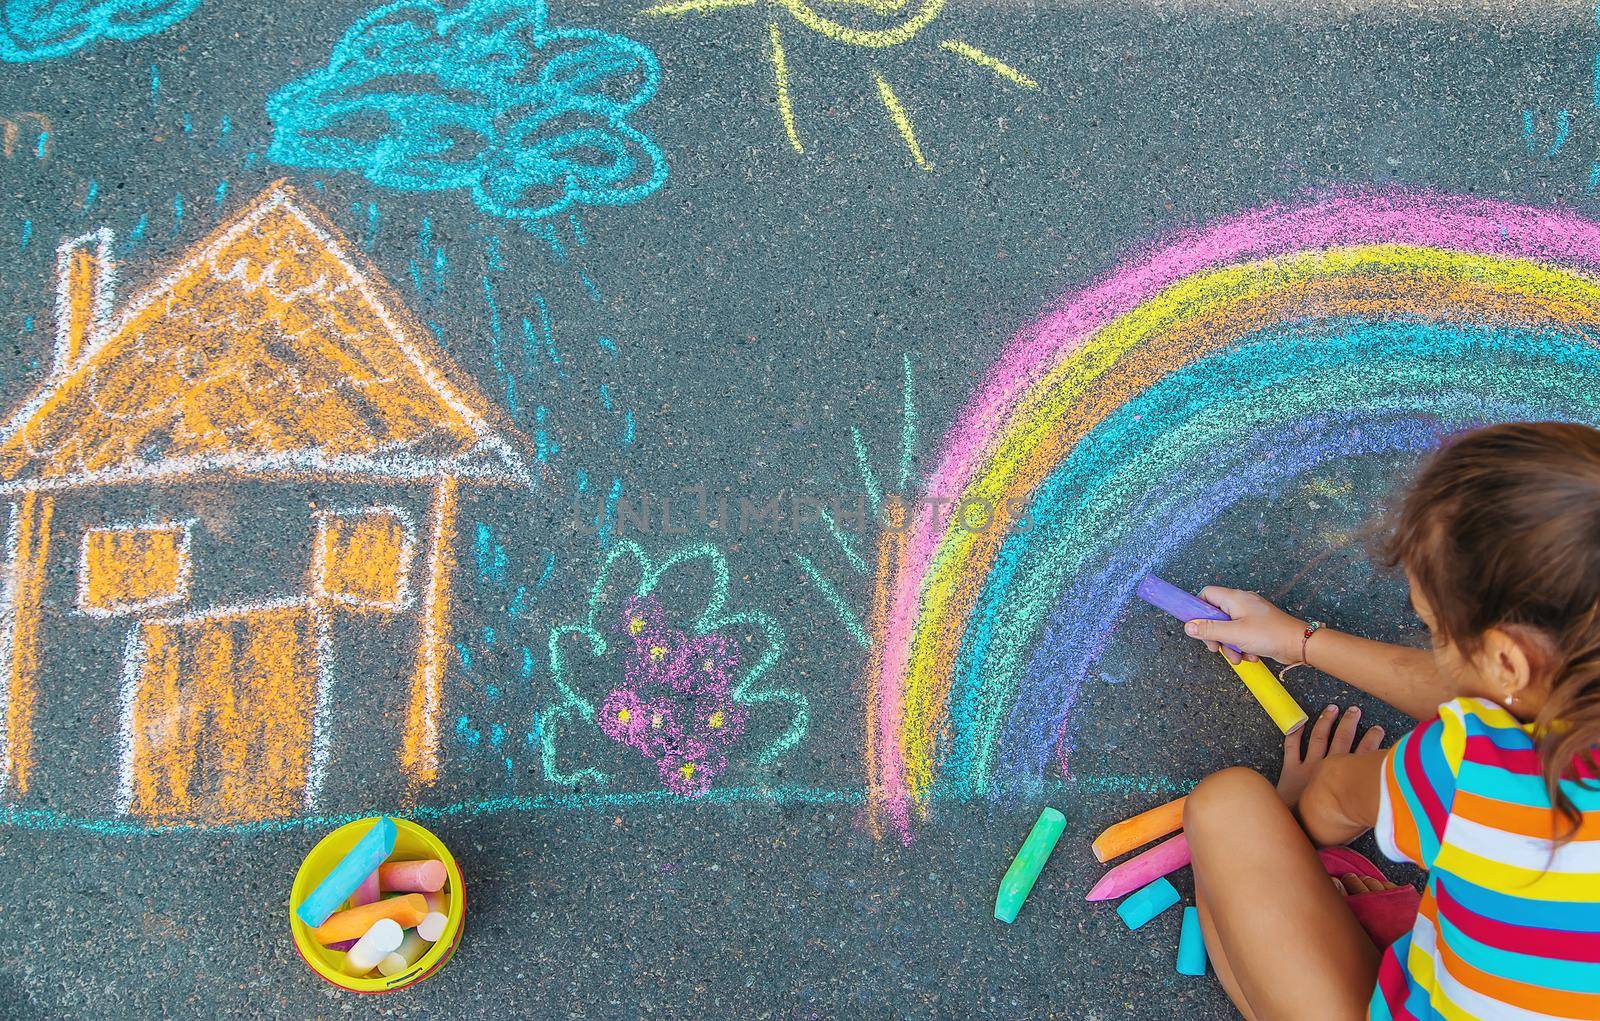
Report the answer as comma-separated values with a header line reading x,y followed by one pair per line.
x,y
367,892
1143,869
412,876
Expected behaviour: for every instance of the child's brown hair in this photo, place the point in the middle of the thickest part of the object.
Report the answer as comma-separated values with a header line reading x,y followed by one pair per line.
x,y
1502,530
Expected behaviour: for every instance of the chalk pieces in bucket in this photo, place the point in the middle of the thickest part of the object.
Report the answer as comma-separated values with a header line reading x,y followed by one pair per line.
x,y
407,911
1191,945
413,947
441,912
367,892
1143,905
432,927
379,941
1024,870
393,964
349,873
412,876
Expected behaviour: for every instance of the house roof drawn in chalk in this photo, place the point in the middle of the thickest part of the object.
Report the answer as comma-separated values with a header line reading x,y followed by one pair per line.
x,y
270,353
266,352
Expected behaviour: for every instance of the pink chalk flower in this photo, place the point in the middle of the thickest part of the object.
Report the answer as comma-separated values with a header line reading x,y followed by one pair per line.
x,y
654,663
622,716
689,771
654,648
662,729
674,704
707,662
716,720
642,619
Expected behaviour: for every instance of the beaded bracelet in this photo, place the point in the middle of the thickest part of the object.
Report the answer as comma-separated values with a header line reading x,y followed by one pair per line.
x,y
1312,627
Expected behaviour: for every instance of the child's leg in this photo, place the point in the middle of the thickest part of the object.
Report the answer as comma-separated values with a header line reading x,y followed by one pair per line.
x,y
1280,936
1263,893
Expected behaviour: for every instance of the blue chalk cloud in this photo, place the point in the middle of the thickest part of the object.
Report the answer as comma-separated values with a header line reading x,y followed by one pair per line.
x,y
485,98
43,29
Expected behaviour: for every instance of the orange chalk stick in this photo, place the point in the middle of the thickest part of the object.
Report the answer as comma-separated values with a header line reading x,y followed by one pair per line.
x,y
1141,829
352,923
416,876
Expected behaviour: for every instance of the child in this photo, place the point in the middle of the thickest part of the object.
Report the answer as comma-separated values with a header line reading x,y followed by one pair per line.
x,y
1494,794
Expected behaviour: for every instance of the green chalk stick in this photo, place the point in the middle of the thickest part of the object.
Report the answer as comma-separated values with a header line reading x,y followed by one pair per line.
x,y
1025,866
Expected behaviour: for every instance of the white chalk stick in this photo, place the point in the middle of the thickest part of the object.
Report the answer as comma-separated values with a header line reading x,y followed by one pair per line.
x,y
377,942
432,927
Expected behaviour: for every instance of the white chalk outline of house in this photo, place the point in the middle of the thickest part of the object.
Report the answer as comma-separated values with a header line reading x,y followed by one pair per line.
x,y
85,329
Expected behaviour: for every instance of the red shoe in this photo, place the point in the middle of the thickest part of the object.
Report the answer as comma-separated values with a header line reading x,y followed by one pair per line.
x,y
1386,915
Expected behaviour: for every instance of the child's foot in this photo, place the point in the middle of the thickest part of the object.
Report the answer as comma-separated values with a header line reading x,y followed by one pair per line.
x,y
1351,884
1325,739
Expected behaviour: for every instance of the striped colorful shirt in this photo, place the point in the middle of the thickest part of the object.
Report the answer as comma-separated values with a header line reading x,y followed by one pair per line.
x,y
1506,928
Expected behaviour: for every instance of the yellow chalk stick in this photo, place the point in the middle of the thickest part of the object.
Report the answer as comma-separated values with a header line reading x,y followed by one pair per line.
x,y
1269,691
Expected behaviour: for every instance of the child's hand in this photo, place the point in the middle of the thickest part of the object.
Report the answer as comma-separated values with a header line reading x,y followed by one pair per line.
x,y
1258,628
1322,741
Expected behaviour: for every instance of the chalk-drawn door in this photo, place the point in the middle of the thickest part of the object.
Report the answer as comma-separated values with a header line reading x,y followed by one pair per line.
x,y
220,724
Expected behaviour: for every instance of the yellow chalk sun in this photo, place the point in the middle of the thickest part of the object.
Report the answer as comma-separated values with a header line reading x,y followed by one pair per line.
x,y
889,23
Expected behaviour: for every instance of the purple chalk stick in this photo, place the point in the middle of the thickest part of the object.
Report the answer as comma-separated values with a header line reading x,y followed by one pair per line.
x,y
1173,600
342,945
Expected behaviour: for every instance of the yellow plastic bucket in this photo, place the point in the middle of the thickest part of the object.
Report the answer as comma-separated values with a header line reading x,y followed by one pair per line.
x,y
411,843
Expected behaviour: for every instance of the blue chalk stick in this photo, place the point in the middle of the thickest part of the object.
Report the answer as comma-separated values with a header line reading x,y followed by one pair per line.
x,y
1146,903
374,847
1191,945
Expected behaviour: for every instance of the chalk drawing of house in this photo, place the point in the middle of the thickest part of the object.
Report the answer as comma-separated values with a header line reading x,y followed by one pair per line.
x,y
273,367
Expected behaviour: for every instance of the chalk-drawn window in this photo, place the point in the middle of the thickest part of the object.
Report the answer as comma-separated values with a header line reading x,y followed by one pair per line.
x,y
363,557
128,568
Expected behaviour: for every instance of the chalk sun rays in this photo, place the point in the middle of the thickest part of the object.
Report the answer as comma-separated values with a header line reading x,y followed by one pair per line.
x,y
897,113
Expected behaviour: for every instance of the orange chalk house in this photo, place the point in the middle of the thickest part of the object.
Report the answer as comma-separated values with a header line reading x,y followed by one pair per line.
x,y
270,360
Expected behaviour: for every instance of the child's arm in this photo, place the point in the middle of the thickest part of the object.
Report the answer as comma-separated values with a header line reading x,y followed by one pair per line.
x,y
1341,801
1405,678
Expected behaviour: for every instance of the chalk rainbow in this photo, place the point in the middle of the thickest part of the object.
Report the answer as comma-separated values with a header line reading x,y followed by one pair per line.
x,y
1219,364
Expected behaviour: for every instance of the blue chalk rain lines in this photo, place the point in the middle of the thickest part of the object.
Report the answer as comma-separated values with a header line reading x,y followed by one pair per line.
x,y
549,132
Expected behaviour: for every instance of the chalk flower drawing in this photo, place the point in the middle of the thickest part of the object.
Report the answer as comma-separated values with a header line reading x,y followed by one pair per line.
x,y
486,98
41,30
674,703
683,698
